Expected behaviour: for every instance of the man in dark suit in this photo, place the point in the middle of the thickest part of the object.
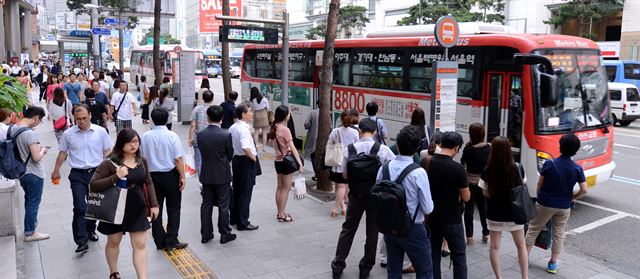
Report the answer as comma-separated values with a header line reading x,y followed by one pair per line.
x,y
217,151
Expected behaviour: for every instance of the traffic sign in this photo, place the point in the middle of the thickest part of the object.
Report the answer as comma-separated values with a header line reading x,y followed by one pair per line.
x,y
101,31
114,21
447,31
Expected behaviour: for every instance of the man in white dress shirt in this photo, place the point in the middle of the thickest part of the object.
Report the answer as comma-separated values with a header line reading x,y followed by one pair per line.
x,y
85,145
245,166
165,156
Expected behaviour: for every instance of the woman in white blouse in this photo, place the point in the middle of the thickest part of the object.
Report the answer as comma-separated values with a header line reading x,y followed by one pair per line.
x,y
346,135
260,107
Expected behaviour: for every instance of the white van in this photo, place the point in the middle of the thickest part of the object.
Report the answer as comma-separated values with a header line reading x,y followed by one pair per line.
x,y
625,103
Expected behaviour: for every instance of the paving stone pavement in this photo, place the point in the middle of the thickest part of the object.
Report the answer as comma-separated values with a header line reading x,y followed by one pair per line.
x,y
301,249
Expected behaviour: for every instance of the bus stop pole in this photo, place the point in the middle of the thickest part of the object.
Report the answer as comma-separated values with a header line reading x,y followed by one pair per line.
x,y
285,59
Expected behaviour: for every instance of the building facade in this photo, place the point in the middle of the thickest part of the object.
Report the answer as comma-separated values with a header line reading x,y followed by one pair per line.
x,y
15,32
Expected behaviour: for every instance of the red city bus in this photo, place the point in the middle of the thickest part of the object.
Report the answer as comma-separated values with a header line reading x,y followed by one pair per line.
x,y
493,89
142,63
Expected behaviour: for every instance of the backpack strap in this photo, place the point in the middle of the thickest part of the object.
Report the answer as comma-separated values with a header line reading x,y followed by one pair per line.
x,y
352,150
385,171
408,169
17,133
374,149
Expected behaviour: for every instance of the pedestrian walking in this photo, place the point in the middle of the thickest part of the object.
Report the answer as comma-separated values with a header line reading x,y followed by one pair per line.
x,y
419,203
60,112
217,148
165,102
52,83
166,83
125,161
163,152
260,107
449,189
229,107
381,129
360,181
144,90
474,157
32,182
311,125
42,80
199,121
99,111
555,196
5,119
85,146
283,144
496,182
122,101
346,135
73,89
204,86
84,84
245,167
99,95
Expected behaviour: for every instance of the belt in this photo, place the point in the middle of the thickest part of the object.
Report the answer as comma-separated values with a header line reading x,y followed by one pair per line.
x,y
89,170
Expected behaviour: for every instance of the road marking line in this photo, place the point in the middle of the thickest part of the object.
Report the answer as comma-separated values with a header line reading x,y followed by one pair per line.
x,y
626,180
597,223
624,145
608,209
627,135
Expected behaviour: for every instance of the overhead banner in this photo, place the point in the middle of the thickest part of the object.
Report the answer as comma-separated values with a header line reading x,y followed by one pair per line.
x,y
210,8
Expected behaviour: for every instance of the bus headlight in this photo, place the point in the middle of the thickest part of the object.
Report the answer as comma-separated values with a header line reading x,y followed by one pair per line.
x,y
541,158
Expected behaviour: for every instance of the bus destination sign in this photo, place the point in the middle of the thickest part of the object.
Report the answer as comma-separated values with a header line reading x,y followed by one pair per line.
x,y
248,34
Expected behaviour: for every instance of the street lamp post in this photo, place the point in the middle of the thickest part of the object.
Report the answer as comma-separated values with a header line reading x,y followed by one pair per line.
x,y
95,39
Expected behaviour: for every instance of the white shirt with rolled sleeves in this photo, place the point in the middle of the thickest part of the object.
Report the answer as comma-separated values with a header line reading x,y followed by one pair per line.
x,y
161,147
85,149
364,145
416,185
242,138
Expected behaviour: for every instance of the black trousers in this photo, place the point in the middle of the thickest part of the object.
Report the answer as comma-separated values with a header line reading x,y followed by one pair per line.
x,y
244,178
454,235
477,199
215,194
167,187
81,227
358,205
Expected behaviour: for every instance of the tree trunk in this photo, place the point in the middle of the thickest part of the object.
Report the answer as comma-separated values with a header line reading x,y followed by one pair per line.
x,y
324,102
156,42
226,79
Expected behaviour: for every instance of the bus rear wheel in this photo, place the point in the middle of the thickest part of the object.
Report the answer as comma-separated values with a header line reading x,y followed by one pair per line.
x,y
624,123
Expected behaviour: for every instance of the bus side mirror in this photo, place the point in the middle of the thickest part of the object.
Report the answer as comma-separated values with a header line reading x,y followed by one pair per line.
x,y
548,90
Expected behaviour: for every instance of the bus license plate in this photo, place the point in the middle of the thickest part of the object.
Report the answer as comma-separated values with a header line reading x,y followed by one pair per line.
x,y
591,181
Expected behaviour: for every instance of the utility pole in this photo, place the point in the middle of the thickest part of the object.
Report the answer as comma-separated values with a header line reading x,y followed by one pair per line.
x,y
121,40
95,47
285,59
226,79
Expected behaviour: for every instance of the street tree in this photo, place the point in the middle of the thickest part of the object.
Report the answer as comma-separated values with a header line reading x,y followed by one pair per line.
x,y
164,38
316,32
585,12
226,77
350,18
324,94
157,71
428,12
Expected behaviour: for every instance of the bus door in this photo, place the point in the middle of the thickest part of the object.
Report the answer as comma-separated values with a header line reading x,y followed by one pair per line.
x,y
504,105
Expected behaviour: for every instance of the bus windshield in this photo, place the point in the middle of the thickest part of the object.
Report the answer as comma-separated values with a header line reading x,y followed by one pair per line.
x,y
583,102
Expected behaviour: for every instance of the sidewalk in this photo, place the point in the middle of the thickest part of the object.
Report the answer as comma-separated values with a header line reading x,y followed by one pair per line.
x,y
301,249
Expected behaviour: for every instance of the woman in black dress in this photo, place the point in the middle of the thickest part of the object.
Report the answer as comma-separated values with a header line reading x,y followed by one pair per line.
x,y
126,162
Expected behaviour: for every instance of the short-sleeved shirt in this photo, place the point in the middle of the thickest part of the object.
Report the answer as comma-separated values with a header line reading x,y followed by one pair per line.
x,y
242,138
283,137
3,131
446,178
23,141
474,157
161,147
227,120
73,92
381,130
499,207
97,109
101,97
345,135
85,150
56,111
264,104
199,115
560,175
365,144
126,110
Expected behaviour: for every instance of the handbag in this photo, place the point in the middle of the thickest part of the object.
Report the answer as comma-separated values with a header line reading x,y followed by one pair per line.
x,y
288,161
107,205
300,187
270,116
545,238
334,154
115,113
61,122
522,207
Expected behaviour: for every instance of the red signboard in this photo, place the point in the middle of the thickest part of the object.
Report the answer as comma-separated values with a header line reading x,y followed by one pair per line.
x,y
210,8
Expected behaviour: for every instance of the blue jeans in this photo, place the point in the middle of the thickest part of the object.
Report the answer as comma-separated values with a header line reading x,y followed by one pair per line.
x,y
81,227
197,157
454,234
417,247
32,186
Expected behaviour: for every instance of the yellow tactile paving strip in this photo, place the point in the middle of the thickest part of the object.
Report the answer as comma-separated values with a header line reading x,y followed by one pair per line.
x,y
188,264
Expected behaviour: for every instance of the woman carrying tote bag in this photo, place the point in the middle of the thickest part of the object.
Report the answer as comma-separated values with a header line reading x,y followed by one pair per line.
x,y
339,139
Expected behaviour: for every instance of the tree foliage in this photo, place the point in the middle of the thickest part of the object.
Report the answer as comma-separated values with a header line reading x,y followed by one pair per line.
x,y
428,11
120,5
584,11
316,32
167,38
13,95
350,18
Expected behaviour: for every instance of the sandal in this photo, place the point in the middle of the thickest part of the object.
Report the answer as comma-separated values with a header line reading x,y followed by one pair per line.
x,y
115,275
287,218
485,239
469,241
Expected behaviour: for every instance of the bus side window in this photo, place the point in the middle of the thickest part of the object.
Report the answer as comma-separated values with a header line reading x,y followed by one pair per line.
x,y
249,63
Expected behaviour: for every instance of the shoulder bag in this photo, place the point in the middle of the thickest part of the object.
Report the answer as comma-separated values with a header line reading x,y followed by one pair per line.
x,y
115,113
107,205
288,160
522,207
334,154
61,122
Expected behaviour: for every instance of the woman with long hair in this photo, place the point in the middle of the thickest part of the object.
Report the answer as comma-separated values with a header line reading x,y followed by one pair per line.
x,y
418,120
499,177
204,87
162,101
260,107
144,90
53,82
346,135
60,107
474,157
126,163
283,144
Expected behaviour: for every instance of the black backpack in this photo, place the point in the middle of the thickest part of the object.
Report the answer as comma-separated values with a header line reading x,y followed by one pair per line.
x,y
11,165
362,169
389,202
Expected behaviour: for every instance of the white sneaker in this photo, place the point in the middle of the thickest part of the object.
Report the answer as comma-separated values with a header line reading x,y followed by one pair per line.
x,y
36,237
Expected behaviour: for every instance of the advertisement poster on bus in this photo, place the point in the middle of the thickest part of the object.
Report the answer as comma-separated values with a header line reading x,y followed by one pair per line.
x,y
210,8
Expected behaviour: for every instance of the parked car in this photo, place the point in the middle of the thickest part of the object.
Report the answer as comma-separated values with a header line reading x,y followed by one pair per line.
x,y
214,71
625,103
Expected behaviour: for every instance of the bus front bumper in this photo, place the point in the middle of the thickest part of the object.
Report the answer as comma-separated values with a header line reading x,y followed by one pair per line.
x,y
599,175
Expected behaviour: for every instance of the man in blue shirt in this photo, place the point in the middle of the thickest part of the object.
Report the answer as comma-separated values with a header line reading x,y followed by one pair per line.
x,y
73,89
164,154
381,130
416,184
